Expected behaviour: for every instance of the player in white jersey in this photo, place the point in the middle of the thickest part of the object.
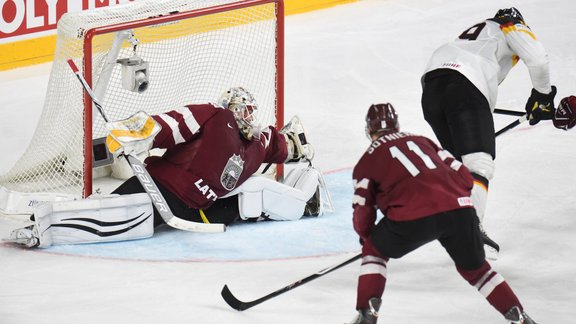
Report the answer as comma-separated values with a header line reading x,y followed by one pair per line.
x,y
460,87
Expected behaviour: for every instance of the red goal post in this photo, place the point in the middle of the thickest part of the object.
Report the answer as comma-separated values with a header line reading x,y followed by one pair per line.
x,y
188,52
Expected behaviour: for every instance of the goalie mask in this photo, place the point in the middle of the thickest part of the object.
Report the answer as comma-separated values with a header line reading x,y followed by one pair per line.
x,y
381,118
244,106
512,13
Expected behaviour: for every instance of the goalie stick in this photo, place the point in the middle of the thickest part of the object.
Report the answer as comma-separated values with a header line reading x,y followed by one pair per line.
x,y
146,181
240,305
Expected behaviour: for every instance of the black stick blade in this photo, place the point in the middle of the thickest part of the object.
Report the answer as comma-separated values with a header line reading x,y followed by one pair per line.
x,y
240,305
232,300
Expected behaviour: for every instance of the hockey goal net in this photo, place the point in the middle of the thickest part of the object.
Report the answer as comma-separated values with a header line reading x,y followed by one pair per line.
x,y
188,51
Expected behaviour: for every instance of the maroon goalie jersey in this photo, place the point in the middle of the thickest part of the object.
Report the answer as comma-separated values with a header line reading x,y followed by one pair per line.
x,y
206,155
407,177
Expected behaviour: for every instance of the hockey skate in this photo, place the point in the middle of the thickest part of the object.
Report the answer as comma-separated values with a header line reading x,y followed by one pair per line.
x,y
368,315
488,241
518,317
298,147
313,205
26,236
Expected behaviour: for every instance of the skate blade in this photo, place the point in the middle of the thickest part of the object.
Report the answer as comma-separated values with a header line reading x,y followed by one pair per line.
x,y
17,242
491,253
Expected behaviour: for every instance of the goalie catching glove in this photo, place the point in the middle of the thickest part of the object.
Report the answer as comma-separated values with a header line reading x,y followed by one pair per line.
x,y
298,147
565,115
540,106
132,135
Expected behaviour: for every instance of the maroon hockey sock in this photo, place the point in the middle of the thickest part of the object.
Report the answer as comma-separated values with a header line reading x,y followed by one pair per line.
x,y
369,285
372,278
492,286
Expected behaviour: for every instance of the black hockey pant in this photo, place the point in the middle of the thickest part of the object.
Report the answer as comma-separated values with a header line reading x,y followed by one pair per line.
x,y
458,113
456,230
223,210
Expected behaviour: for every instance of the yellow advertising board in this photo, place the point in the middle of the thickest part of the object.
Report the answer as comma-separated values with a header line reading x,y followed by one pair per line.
x,y
28,27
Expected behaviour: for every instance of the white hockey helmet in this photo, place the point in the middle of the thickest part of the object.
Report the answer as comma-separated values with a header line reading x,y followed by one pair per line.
x,y
241,102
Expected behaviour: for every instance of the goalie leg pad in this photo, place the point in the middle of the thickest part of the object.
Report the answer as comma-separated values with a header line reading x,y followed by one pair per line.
x,y
278,201
103,219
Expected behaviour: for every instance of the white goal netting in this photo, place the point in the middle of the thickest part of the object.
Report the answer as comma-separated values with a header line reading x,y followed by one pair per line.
x,y
211,46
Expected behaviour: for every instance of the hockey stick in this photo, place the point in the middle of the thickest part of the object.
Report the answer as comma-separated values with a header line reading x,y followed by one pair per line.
x,y
512,124
146,181
509,112
240,305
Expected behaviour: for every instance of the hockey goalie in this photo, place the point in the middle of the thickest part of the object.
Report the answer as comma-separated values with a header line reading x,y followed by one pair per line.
x,y
207,175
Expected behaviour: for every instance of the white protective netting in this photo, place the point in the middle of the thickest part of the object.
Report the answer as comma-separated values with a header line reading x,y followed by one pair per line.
x,y
191,60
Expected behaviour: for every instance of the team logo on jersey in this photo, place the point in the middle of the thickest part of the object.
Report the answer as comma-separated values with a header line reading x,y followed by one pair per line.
x,y
232,172
267,136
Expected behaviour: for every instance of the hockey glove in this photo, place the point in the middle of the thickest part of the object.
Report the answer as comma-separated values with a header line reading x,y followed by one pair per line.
x,y
540,106
565,115
133,135
298,147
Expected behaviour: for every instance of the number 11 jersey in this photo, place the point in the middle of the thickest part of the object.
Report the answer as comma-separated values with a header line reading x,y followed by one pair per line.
x,y
408,177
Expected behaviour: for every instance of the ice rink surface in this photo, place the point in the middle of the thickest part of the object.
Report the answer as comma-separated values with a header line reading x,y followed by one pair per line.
x,y
338,62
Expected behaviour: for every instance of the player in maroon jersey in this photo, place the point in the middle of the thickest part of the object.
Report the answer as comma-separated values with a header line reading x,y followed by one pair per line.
x,y
206,175
424,194
211,150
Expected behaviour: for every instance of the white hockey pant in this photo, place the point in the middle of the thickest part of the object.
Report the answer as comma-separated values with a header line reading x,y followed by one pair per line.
x,y
278,201
102,219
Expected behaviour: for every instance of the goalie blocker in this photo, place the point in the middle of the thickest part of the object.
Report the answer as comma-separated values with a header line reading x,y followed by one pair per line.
x,y
298,147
